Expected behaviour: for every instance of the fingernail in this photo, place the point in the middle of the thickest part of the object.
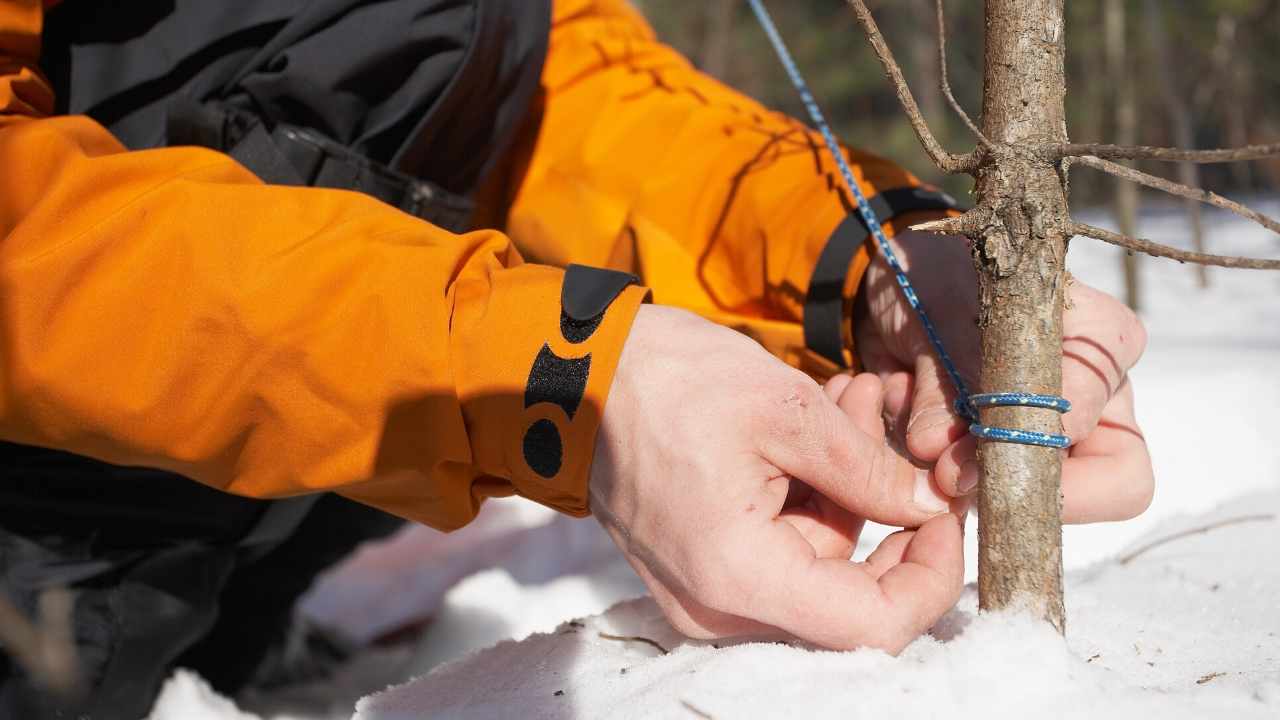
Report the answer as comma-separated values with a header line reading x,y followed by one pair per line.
x,y
926,498
968,479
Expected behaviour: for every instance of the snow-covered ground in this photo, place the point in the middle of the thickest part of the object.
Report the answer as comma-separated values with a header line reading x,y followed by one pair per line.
x,y
1190,628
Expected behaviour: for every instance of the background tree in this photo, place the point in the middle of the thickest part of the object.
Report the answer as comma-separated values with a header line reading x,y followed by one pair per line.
x,y
1018,233
1018,176
1125,105
1232,104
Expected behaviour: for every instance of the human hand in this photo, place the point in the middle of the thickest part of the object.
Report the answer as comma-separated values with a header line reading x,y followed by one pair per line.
x,y
1107,473
704,438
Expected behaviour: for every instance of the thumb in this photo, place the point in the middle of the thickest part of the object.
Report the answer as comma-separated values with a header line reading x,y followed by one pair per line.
x,y
932,425
820,444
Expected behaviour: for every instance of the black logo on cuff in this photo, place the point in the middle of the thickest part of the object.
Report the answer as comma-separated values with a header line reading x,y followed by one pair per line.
x,y
585,296
559,381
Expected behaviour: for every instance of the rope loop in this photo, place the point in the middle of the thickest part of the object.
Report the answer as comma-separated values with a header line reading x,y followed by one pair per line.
x,y
966,405
968,409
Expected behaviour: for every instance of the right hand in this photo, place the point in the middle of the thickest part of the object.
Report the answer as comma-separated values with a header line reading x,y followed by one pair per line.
x,y
736,487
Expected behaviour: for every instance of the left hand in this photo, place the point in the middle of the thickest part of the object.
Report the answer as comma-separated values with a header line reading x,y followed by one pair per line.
x,y
1107,473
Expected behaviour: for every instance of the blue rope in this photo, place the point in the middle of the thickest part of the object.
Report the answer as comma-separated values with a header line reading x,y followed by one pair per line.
x,y
966,405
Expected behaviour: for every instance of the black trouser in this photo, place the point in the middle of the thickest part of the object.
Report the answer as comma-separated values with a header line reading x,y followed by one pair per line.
x,y
160,574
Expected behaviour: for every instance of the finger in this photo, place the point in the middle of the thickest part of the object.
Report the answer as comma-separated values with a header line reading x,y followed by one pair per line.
x,y
1102,340
836,385
888,553
839,604
933,423
829,529
898,387
872,351
797,494
1108,475
956,471
863,403
811,439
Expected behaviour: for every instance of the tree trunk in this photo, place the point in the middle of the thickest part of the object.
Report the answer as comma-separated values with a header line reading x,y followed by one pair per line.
x,y
1234,106
1180,118
1020,261
717,39
1123,98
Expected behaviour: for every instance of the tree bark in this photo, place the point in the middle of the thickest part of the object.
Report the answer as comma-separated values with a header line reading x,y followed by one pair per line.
x,y
1022,282
1124,100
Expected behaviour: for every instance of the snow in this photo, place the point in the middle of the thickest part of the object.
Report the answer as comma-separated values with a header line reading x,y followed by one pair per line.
x,y
1187,629
188,696
1200,639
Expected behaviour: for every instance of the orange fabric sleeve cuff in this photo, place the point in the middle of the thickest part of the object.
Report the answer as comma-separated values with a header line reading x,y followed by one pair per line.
x,y
533,383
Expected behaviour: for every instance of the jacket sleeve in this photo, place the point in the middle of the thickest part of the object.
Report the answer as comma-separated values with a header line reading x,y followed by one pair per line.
x,y
720,205
165,308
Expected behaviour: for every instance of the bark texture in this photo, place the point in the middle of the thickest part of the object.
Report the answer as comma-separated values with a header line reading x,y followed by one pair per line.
x,y
1020,259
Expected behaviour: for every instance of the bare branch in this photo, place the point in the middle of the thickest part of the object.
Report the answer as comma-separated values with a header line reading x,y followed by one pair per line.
x,y
944,160
1126,559
1179,189
968,224
696,712
1157,250
636,638
1146,152
946,82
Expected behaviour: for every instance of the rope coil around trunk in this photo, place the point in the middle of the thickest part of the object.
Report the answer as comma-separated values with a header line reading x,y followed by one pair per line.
x,y
966,405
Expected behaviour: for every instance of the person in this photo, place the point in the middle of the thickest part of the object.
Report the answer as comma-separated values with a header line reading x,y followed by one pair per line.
x,y
412,254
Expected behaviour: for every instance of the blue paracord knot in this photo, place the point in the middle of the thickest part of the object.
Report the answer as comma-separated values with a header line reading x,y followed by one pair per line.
x,y
966,405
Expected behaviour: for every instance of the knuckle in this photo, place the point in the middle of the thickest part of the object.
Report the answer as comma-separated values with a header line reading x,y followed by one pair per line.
x,y
796,407
801,394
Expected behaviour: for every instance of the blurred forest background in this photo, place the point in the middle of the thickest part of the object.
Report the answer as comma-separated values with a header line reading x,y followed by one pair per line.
x,y
1191,73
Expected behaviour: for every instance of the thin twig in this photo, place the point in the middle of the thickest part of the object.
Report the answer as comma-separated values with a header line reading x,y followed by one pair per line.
x,y
1126,559
700,713
946,82
1155,249
944,160
1209,677
45,648
1179,189
636,638
969,224
1146,152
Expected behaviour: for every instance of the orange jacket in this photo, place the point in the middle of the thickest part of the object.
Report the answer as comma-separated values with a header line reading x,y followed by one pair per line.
x,y
165,308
